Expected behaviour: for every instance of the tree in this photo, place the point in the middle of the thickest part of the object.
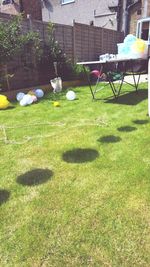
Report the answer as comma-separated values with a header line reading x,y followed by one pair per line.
x,y
13,42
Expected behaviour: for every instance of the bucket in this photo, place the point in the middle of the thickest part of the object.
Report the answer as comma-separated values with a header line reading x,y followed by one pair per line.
x,y
56,83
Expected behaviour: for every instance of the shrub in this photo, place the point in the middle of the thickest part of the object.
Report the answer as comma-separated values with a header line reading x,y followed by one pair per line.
x,y
13,43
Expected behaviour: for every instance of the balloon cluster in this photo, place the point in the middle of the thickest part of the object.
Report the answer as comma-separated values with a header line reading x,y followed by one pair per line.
x,y
29,98
133,47
4,103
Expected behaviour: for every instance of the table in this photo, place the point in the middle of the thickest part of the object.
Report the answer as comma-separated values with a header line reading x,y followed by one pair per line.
x,y
122,64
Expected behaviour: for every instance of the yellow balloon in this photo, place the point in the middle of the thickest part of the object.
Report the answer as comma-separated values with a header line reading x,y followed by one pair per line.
x,y
31,92
56,104
4,103
139,46
3,97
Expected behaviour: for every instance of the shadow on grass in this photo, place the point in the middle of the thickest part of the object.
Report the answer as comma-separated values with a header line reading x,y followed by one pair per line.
x,y
109,139
126,129
131,98
4,196
80,155
141,121
8,108
35,177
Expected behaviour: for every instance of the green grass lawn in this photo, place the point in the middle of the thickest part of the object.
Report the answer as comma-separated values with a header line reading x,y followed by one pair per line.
x,y
75,181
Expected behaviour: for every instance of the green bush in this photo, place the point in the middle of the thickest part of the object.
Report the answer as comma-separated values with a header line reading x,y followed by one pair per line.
x,y
13,43
52,52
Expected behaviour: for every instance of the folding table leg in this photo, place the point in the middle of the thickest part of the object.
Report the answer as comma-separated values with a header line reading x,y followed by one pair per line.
x,y
89,83
120,86
136,83
133,74
112,87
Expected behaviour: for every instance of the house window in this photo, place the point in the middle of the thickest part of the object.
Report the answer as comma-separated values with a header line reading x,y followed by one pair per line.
x,y
67,1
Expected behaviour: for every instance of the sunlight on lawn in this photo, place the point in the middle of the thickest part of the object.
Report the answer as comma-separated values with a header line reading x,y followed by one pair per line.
x,y
75,181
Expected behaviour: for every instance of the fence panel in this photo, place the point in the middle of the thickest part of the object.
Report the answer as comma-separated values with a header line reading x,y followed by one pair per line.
x,y
79,42
90,41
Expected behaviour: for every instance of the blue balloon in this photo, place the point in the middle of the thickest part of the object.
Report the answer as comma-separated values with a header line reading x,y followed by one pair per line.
x,y
130,39
39,93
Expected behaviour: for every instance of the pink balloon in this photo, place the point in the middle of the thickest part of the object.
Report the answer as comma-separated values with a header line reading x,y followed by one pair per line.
x,y
34,98
96,73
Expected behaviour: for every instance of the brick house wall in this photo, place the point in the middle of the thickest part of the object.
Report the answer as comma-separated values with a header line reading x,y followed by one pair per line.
x,y
148,8
33,8
134,15
13,9
138,11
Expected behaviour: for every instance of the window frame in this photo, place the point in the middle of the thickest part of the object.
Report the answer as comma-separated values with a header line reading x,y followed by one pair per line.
x,y
65,2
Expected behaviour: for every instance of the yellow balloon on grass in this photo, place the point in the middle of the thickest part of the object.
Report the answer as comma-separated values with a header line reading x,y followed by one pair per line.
x,y
31,92
56,104
4,103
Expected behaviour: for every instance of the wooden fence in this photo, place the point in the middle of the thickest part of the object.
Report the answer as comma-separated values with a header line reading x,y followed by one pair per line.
x,y
79,42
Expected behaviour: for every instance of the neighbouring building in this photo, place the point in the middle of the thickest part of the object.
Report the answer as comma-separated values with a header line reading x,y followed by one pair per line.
x,y
92,12
112,14
27,7
121,15
10,7
133,11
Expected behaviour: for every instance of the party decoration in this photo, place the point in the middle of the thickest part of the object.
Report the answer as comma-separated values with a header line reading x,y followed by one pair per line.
x,y
26,100
23,102
34,98
130,39
3,97
133,47
139,46
19,96
39,93
56,104
31,92
71,95
96,73
4,103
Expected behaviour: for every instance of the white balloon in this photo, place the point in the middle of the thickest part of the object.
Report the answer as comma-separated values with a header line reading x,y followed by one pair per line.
x,y
19,96
23,102
29,99
26,100
71,95
39,93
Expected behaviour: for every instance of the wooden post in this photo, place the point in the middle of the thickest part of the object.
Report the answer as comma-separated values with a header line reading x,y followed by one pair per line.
x,y
7,76
149,71
74,42
149,87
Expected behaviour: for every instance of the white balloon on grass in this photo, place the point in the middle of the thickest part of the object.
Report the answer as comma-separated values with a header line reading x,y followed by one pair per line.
x,y
19,96
29,99
23,102
26,100
39,93
70,95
